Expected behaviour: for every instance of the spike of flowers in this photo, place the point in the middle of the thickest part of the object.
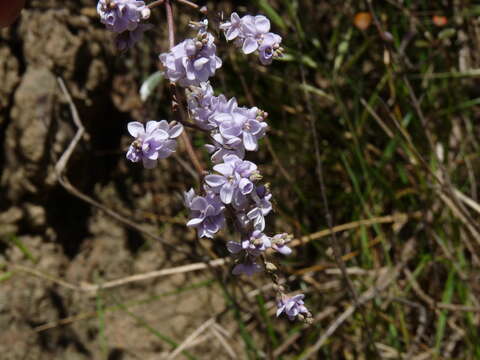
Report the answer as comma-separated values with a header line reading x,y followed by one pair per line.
x,y
232,189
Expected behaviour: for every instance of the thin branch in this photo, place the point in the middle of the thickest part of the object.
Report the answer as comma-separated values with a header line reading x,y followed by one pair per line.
x,y
155,4
188,3
61,166
175,94
191,338
88,287
62,162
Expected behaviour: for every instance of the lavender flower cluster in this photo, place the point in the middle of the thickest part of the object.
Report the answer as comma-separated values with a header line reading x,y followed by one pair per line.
x,y
252,33
193,61
124,17
157,140
232,189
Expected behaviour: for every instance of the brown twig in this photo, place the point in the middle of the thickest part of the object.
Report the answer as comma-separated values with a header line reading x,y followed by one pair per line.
x,y
188,3
61,166
431,302
155,4
175,94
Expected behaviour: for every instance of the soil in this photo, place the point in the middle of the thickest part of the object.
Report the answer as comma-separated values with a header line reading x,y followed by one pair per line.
x,y
43,227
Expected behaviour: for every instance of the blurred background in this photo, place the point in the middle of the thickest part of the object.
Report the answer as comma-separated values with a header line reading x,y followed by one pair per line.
x,y
388,92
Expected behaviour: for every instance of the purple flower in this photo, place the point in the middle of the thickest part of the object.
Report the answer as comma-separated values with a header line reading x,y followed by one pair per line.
x,y
292,306
269,48
234,179
122,15
248,266
257,243
253,29
193,61
128,39
251,33
232,28
204,106
206,213
279,243
251,248
219,151
262,207
153,142
241,128
169,146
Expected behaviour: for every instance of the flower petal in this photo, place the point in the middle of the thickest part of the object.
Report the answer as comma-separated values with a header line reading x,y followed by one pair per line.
x,y
200,63
135,129
195,222
151,126
249,45
226,193
215,180
262,24
175,131
249,142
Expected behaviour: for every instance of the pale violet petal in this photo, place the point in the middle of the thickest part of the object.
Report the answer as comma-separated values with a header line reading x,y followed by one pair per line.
x,y
135,129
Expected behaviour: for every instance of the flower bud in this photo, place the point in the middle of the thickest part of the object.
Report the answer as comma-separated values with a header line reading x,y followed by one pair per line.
x,y
270,267
145,13
256,176
257,242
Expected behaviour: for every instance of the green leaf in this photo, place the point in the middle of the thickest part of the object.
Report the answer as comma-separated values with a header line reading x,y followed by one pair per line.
x,y
150,85
442,320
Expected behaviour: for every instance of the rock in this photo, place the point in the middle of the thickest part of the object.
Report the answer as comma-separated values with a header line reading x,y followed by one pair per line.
x,y
27,136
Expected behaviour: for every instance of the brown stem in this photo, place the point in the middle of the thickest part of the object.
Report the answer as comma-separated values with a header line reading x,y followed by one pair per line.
x,y
155,4
170,23
175,94
188,3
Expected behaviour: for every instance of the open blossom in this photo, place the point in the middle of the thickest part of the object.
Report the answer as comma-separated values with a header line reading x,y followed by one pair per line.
x,y
122,15
206,213
193,61
268,48
154,141
248,250
219,151
254,245
262,207
233,180
293,307
234,129
252,33
279,243
204,106
243,127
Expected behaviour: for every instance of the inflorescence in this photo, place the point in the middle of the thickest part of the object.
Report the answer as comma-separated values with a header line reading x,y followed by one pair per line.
x,y
233,189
